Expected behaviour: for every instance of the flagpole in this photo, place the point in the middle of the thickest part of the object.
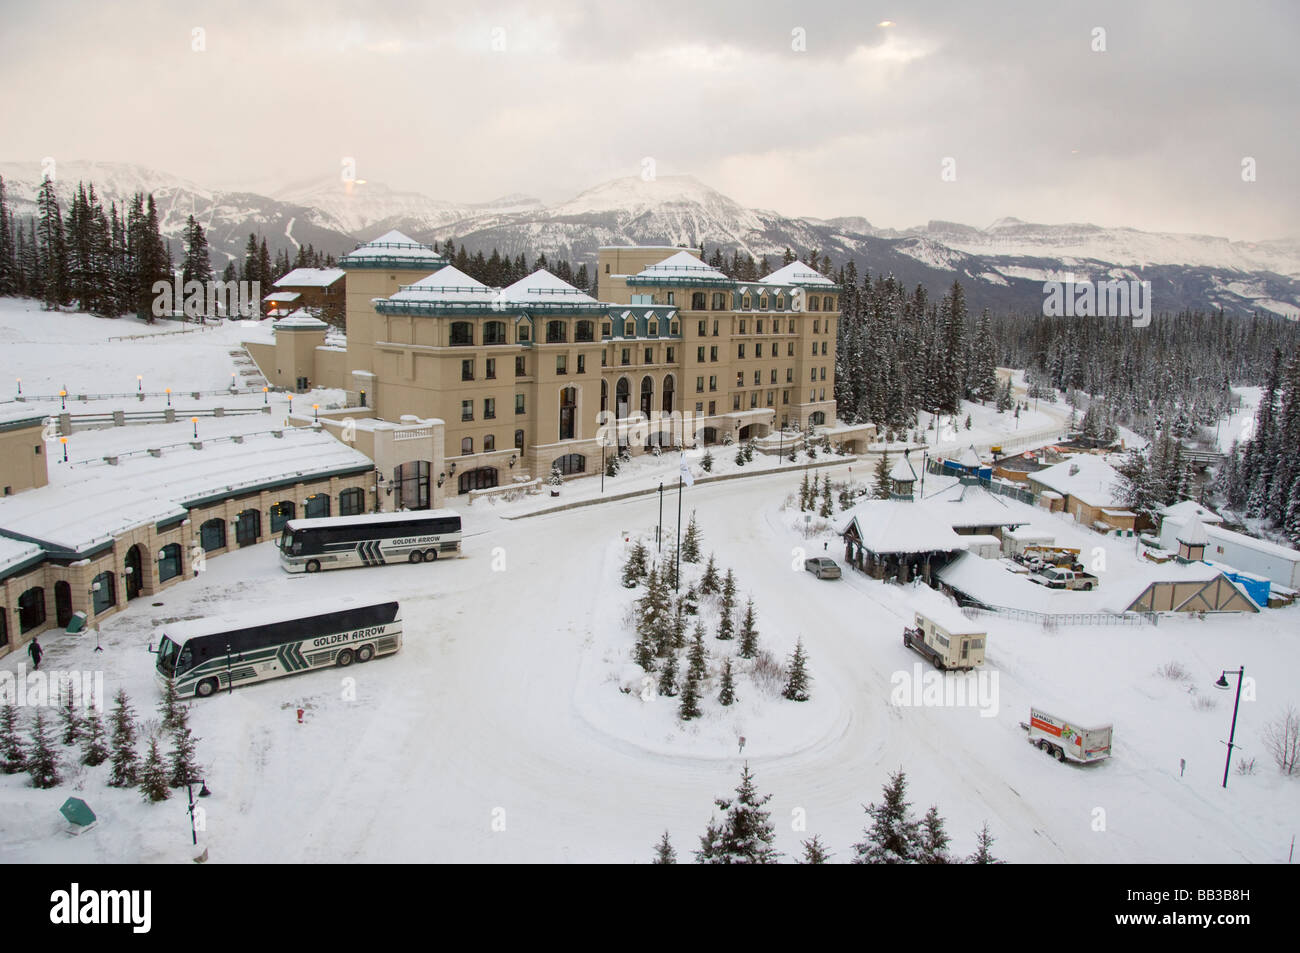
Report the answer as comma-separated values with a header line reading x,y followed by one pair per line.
x,y
677,572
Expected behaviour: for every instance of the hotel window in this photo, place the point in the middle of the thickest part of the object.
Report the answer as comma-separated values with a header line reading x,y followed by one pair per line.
x,y
813,376
519,404
490,371
673,329
780,302
522,333
713,382
699,385
823,348
489,408
625,358
740,378
744,303
719,301
742,325
467,410
789,349
771,395
521,367
584,331
753,399
704,328
519,440
715,327
605,329
467,370
823,394
489,443
671,299
789,375
735,402
713,407
758,326
561,363
462,333
697,301
466,445
629,329
823,374
758,378
740,352
604,358
672,355
829,302
785,397
814,349
699,355
813,303
812,395
653,329
817,325
582,363
773,375
699,406
494,332
649,356
762,306
758,350
713,353
556,332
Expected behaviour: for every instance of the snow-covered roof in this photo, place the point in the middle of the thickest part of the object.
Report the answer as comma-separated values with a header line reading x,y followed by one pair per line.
x,y
1193,533
15,552
942,611
969,458
17,414
185,629
283,296
542,287
899,526
393,245
1218,533
962,506
1184,509
903,471
310,278
301,319
446,284
101,501
1086,477
682,265
796,273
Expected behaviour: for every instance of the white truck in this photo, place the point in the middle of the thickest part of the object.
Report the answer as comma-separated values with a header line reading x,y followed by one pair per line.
x,y
947,639
1054,577
1067,740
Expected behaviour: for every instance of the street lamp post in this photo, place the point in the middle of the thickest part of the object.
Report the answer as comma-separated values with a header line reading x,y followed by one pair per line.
x,y
64,441
659,546
195,422
1222,683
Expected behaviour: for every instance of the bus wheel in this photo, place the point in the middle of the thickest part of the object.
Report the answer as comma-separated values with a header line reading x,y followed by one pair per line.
x,y
365,653
416,557
430,555
206,688
344,658
313,565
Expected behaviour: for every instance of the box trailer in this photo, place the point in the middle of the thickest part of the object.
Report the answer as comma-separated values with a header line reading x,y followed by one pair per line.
x,y
1015,540
948,639
1067,740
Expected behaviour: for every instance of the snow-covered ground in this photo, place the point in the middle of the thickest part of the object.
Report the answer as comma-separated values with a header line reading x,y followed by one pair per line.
x,y
499,733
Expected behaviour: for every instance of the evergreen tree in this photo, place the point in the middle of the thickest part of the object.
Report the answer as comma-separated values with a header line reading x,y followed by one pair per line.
x,y
882,476
94,746
42,762
698,656
123,742
726,626
934,839
826,508
814,852
197,265
10,280
689,706
706,461
184,769
709,584
691,543
748,633
153,775
71,720
654,624
1291,526
728,693
170,708
634,570
894,836
797,677
984,848
664,853
13,756
668,676
746,832
803,493
52,248
690,602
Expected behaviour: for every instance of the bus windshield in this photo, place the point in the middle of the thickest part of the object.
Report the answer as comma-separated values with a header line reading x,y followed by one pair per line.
x,y
287,543
167,653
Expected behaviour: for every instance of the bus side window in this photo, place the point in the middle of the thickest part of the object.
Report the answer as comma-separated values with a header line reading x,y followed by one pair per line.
x,y
183,665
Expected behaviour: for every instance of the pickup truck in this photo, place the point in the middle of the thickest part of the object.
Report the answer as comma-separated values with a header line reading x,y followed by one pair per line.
x,y
1054,577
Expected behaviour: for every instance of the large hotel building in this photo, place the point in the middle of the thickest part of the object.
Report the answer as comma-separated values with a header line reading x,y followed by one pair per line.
x,y
673,351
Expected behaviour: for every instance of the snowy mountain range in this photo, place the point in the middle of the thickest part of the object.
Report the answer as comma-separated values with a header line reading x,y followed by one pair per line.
x,y
1001,266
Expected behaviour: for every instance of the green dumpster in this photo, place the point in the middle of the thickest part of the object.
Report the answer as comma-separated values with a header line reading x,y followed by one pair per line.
x,y
78,622
78,814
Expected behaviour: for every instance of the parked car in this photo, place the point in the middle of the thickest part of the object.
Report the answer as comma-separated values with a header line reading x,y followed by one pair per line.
x,y
1054,577
822,568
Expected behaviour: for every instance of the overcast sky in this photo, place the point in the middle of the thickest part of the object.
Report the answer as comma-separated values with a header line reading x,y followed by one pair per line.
x,y
472,100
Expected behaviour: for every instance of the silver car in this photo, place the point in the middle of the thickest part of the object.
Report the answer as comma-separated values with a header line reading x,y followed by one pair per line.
x,y
822,568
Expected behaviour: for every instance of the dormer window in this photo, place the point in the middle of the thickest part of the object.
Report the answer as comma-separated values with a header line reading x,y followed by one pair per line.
x,y
629,329
654,328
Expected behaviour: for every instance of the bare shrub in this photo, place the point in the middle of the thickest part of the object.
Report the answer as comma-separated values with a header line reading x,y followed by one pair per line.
x,y
1245,767
1204,703
1174,671
768,672
1282,740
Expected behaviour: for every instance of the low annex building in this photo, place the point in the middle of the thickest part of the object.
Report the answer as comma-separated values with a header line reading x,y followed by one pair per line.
x,y
1086,487
129,526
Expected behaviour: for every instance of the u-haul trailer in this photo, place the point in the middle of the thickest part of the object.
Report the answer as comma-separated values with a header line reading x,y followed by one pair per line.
x,y
1067,740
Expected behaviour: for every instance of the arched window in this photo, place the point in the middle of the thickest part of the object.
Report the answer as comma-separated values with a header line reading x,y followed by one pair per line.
x,y
248,526
103,592
647,395
212,535
494,332
668,388
466,445
31,608
817,418
352,501
281,513
568,412
814,303
604,395
570,463
462,333
622,397
169,562
317,505
519,440
556,332
489,443
584,331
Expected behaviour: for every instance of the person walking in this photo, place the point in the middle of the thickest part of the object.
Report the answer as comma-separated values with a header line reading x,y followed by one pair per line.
x,y
35,651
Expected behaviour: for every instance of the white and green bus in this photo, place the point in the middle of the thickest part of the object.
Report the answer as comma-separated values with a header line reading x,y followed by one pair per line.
x,y
374,539
202,656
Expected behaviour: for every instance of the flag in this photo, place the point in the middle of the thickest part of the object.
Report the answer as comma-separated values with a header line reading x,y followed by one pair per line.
x,y
687,478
